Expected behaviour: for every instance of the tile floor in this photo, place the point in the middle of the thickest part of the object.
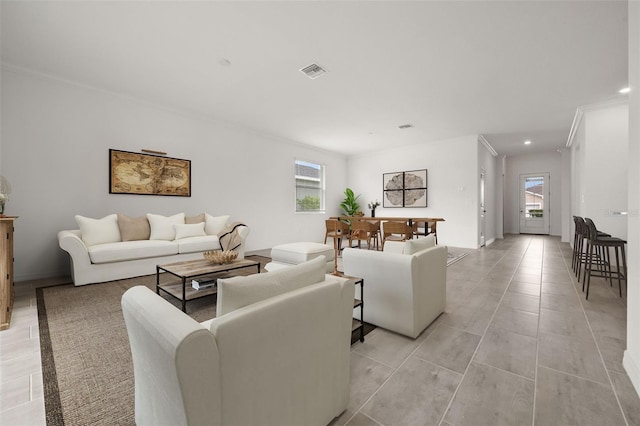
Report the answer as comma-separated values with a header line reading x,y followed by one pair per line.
x,y
518,344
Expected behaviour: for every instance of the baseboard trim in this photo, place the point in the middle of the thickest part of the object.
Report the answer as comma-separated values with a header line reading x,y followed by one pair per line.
x,y
632,369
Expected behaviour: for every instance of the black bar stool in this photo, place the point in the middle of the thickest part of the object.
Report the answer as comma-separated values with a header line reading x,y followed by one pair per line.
x,y
601,244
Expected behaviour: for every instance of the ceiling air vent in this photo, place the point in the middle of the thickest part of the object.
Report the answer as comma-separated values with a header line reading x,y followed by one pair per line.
x,y
405,126
313,71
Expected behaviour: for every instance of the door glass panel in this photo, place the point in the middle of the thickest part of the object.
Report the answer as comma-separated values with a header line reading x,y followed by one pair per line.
x,y
534,197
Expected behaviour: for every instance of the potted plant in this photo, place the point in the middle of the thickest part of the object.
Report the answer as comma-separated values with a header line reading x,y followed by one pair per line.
x,y
350,203
372,207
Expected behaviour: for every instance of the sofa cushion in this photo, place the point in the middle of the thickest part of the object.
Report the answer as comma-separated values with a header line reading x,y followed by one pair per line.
x,y
162,226
295,253
194,219
215,224
99,231
419,244
134,228
130,250
195,244
236,292
189,230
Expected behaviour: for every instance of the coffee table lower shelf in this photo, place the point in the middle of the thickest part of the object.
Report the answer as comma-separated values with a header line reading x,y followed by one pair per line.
x,y
188,270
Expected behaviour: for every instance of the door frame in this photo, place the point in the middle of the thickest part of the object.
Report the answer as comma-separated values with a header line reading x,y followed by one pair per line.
x,y
546,228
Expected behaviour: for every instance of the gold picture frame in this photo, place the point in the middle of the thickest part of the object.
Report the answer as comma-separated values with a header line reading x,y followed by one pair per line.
x,y
145,174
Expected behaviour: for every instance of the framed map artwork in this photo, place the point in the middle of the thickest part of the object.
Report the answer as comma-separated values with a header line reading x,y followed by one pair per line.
x,y
405,189
145,174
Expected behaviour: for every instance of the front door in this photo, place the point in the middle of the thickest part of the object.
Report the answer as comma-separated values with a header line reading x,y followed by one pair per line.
x,y
534,203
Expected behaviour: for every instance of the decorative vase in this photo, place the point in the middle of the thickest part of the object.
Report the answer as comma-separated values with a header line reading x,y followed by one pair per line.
x,y
2,207
373,213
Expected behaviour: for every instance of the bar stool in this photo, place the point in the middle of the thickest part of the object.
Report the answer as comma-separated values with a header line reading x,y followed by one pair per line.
x,y
603,244
579,251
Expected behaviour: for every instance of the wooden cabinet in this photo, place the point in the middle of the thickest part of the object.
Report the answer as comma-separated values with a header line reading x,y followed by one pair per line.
x,y
6,270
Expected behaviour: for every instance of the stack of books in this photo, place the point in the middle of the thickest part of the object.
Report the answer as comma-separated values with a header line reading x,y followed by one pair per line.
x,y
203,283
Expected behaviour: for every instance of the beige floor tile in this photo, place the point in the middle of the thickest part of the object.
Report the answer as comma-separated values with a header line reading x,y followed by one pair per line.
x,y
15,368
571,355
367,376
565,399
508,351
28,414
521,302
565,289
14,392
570,324
389,348
488,396
362,420
521,322
607,324
449,347
15,334
524,288
19,349
628,397
426,391
560,302
527,278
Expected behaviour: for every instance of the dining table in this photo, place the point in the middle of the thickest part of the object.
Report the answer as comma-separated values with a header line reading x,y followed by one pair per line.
x,y
430,222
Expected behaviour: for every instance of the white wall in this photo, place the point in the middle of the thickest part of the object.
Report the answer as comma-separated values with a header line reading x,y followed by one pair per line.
x,y
55,142
452,184
541,162
632,354
489,163
601,149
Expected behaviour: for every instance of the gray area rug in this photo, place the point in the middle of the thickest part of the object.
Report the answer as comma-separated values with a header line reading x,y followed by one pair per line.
x,y
86,359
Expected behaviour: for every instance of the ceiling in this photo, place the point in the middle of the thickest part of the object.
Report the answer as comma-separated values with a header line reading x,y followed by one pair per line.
x,y
510,71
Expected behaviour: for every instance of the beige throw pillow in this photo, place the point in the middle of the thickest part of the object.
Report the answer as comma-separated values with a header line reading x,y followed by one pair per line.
x,y
194,219
237,292
134,228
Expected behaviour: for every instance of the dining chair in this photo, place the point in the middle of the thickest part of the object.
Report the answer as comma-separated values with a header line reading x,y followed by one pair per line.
x,y
362,230
338,231
396,231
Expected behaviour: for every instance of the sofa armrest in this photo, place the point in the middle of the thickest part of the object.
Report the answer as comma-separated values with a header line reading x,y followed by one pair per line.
x,y
243,232
71,242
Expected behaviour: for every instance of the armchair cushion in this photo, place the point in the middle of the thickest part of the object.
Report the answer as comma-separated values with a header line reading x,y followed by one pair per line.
x,y
419,244
237,292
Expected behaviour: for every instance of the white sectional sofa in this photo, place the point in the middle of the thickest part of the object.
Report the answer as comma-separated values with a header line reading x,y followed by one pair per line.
x,y
404,285
117,246
277,352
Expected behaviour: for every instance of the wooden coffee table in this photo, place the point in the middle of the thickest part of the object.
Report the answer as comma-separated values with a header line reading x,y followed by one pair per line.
x,y
190,269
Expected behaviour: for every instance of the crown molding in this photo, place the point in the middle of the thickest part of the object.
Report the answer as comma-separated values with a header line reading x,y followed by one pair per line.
x,y
487,145
581,110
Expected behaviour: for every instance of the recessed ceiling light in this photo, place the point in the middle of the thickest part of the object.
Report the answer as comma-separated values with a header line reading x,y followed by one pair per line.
x,y
625,90
527,142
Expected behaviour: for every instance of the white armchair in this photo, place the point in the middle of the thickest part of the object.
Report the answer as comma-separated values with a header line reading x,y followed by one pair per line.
x,y
277,354
402,292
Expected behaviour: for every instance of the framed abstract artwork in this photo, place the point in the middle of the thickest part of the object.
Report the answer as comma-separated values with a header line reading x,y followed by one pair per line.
x,y
145,174
405,189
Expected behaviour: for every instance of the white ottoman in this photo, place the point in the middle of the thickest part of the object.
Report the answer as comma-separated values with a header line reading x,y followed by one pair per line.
x,y
290,254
